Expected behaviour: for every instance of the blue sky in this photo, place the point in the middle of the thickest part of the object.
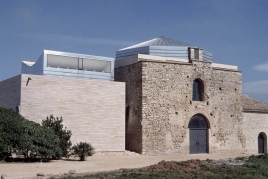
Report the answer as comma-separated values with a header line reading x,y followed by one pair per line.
x,y
235,31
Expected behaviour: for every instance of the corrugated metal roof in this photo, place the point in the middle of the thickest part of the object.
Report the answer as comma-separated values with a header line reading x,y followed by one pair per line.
x,y
161,41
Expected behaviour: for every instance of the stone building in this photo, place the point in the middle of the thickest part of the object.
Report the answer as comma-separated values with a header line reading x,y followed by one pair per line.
x,y
158,97
181,102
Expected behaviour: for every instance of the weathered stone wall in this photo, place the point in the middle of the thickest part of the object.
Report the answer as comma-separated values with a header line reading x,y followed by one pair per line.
x,y
93,110
254,123
226,112
167,106
10,92
131,75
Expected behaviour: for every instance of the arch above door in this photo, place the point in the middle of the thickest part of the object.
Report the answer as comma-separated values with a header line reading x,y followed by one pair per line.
x,y
198,129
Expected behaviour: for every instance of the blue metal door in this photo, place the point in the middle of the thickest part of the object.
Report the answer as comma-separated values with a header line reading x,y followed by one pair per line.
x,y
198,135
198,141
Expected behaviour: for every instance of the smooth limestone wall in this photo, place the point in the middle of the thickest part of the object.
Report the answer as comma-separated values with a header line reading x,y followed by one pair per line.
x,y
93,110
10,92
254,123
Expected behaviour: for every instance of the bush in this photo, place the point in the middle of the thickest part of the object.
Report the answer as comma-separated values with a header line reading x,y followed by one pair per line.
x,y
64,135
82,150
21,136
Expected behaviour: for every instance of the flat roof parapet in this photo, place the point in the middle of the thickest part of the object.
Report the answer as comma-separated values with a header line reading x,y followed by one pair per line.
x,y
142,57
56,63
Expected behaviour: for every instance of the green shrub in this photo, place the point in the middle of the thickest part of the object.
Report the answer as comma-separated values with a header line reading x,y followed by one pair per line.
x,y
64,135
21,136
82,150
39,141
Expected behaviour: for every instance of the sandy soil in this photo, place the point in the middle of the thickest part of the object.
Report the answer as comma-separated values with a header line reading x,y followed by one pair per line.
x,y
97,163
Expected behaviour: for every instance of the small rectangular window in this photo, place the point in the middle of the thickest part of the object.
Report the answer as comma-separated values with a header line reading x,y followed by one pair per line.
x,y
196,54
80,64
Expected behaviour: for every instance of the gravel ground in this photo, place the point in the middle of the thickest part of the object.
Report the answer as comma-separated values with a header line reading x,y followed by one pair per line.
x,y
98,163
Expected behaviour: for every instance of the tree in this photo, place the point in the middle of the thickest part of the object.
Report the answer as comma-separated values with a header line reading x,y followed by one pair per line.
x,y
38,141
21,136
82,150
64,135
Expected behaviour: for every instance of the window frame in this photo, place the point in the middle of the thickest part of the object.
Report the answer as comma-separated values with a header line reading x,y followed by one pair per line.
x,y
198,90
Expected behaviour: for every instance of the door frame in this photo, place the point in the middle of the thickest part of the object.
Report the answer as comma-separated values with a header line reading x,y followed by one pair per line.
x,y
264,137
198,122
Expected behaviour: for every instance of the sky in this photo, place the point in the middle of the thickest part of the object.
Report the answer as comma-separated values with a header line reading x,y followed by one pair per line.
x,y
235,31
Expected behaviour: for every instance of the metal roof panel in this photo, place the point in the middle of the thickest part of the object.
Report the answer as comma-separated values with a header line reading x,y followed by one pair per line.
x,y
161,41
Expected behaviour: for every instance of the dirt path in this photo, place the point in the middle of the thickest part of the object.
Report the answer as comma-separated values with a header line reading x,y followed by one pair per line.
x,y
96,163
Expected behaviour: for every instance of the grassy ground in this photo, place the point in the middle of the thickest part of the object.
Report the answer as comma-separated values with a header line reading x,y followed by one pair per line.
x,y
254,167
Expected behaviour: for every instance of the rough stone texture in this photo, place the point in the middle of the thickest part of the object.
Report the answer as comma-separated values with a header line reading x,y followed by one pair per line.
x,y
132,76
253,105
167,106
93,110
10,92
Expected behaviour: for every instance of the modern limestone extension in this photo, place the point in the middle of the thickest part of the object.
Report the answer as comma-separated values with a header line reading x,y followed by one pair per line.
x,y
77,87
157,97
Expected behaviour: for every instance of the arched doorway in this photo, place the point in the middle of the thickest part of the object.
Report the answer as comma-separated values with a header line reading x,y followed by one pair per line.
x,y
262,143
198,134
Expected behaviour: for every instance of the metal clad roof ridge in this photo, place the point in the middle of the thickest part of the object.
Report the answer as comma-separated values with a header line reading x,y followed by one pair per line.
x,y
161,41
155,42
138,45
172,42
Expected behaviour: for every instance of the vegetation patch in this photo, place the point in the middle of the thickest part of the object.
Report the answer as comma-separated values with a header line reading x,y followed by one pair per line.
x,y
28,141
64,135
82,150
23,137
253,167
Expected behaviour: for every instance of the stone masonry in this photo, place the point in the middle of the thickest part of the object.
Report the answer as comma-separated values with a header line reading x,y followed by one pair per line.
x,y
93,110
132,76
159,97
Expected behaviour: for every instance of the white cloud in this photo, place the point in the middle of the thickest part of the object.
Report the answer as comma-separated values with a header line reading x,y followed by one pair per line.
x,y
75,39
262,67
260,87
256,87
